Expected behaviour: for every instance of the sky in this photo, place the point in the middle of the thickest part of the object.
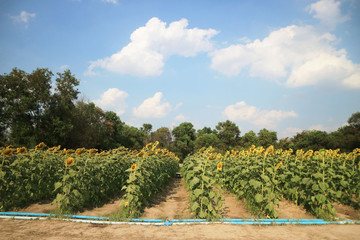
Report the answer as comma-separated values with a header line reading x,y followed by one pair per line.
x,y
283,65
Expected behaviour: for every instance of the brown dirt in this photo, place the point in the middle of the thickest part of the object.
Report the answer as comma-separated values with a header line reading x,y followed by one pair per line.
x,y
43,207
171,202
289,210
234,208
53,229
346,212
103,211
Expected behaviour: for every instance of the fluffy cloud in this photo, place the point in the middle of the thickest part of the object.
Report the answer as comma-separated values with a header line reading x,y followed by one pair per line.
x,y
328,12
294,55
113,99
153,107
24,17
261,118
150,46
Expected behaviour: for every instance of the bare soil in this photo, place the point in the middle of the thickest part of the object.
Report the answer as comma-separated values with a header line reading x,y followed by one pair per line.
x,y
52,229
172,202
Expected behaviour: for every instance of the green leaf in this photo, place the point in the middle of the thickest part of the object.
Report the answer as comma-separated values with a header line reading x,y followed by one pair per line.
x,y
265,178
197,192
258,198
318,176
254,183
194,206
315,187
323,186
194,182
320,198
57,185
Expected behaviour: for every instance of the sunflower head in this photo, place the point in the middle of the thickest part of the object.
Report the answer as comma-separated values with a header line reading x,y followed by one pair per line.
x,y
70,161
133,167
278,166
40,146
219,166
92,151
8,152
21,150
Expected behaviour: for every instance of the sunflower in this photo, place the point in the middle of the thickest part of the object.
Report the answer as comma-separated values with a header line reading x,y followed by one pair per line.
x,y
133,167
219,166
7,152
92,151
21,150
70,161
40,146
278,166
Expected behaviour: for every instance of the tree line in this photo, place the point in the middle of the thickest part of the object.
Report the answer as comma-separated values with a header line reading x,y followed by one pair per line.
x,y
34,111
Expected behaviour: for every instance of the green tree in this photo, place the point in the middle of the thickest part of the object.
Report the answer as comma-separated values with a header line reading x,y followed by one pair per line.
x,y
132,137
249,139
314,140
228,134
25,98
163,136
206,140
60,115
184,139
267,138
147,128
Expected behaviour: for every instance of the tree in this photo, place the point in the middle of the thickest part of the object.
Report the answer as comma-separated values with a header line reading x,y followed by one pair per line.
x,y
163,136
60,115
206,130
267,138
184,139
206,140
132,137
25,98
147,128
314,140
249,139
228,133
354,120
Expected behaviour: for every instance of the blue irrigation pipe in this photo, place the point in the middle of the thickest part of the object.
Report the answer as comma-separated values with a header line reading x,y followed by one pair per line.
x,y
106,220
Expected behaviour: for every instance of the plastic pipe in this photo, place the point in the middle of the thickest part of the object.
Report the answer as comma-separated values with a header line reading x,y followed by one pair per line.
x,y
106,220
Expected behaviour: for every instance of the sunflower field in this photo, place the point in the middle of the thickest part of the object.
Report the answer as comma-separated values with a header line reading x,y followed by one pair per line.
x,y
263,177
82,178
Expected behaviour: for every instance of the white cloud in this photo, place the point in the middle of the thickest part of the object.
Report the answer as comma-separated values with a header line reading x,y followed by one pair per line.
x,y
240,111
328,12
294,55
152,44
24,17
153,107
113,99
299,55
290,132
179,117
110,1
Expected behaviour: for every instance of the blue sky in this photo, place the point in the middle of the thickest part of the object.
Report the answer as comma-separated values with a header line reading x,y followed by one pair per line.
x,y
287,65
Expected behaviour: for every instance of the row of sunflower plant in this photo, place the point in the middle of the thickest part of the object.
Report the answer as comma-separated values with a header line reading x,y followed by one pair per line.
x,y
89,179
312,179
252,175
152,168
27,175
201,172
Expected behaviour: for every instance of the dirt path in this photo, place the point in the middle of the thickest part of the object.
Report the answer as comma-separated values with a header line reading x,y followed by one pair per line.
x,y
53,229
234,208
171,202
